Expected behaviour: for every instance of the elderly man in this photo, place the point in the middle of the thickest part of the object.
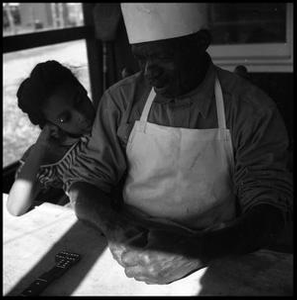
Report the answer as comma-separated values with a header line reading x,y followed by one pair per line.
x,y
201,152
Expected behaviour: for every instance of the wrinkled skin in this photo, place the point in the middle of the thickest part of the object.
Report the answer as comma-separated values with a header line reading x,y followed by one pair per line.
x,y
157,251
163,260
151,250
174,67
160,251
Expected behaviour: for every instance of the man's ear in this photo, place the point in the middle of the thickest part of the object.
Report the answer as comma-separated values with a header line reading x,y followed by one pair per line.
x,y
203,39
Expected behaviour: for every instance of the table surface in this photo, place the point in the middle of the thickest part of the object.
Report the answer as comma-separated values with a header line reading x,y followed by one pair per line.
x,y
31,241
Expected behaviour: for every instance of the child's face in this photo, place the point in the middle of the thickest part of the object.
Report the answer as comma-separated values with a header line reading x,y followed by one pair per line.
x,y
70,109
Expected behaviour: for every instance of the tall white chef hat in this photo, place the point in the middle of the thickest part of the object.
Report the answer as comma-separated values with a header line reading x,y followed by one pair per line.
x,y
156,21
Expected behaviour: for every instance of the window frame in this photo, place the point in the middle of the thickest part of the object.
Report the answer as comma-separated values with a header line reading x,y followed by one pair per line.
x,y
56,36
266,57
25,41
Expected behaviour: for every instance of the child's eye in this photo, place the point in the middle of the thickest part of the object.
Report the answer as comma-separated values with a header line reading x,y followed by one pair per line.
x,y
64,118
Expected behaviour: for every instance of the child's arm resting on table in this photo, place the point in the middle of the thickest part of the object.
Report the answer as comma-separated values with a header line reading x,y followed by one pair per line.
x,y
26,186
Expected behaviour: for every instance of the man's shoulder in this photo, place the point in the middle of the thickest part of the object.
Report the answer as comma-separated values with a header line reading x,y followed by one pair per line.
x,y
129,83
241,91
126,92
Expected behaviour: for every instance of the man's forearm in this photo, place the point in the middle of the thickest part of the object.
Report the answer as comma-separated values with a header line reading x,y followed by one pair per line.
x,y
254,230
250,232
93,206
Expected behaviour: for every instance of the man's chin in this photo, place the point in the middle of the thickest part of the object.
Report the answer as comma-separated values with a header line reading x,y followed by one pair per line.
x,y
164,91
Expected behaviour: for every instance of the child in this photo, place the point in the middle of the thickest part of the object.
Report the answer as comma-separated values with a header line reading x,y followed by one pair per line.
x,y
55,100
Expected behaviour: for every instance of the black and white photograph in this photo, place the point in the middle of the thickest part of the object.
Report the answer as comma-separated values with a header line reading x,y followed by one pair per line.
x,y
148,149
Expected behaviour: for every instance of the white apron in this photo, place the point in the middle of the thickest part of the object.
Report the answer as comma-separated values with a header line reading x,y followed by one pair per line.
x,y
181,174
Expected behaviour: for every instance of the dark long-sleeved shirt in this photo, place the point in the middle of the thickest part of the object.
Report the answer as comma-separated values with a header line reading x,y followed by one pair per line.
x,y
259,136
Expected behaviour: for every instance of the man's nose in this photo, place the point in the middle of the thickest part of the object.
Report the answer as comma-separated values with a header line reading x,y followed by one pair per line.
x,y
151,69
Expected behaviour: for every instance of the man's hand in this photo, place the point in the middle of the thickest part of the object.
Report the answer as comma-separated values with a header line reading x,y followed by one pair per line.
x,y
133,228
161,253
124,238
151,250
154,250
164,259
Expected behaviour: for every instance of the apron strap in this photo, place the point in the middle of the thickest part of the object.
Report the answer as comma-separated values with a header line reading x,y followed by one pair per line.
x,y
147,106
146,110
220,104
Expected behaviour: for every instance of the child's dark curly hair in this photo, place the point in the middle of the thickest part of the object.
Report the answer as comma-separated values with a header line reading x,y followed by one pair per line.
x,y
39,86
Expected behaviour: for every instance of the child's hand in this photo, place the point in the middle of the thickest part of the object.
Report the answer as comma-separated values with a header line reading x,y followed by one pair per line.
x,y
48,137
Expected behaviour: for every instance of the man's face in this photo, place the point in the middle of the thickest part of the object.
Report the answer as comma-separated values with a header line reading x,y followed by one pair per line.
x,y
166,67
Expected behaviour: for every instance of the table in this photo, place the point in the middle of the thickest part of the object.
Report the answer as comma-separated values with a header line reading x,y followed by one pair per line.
x,y
31,241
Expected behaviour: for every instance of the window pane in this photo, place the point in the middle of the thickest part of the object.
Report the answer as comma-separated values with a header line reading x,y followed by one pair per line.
x,y
247,23
21,18
18,132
